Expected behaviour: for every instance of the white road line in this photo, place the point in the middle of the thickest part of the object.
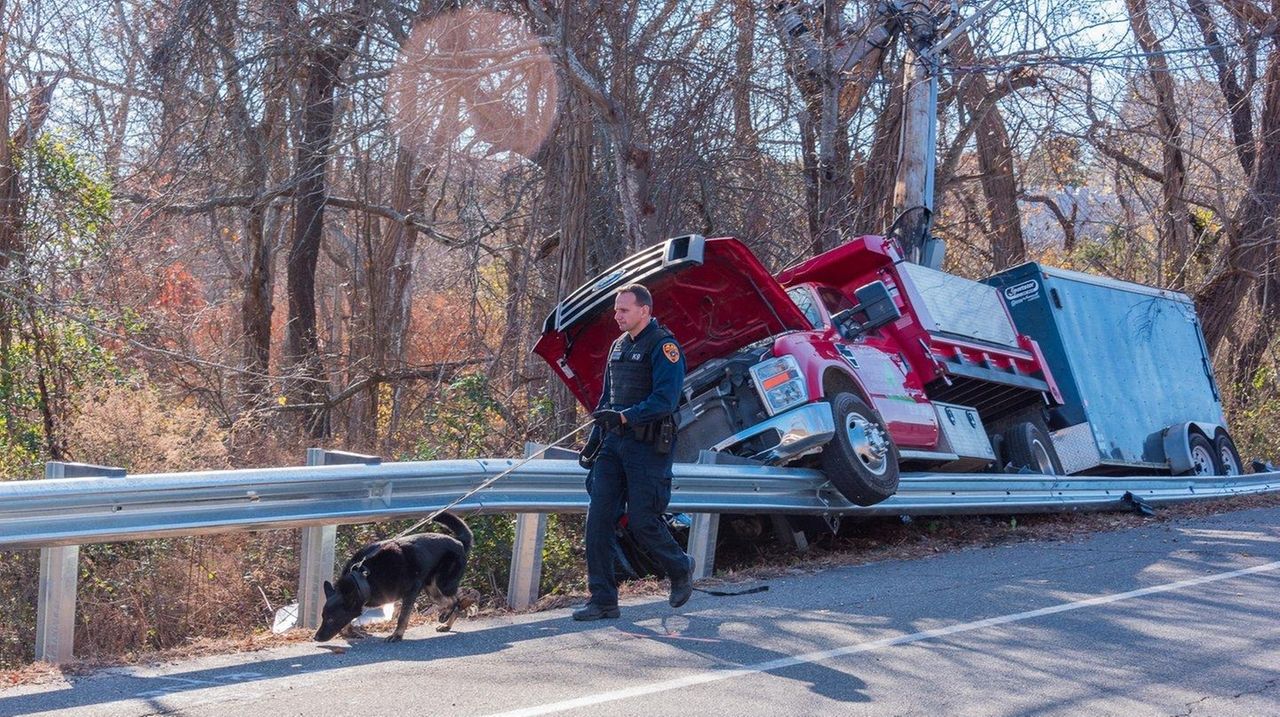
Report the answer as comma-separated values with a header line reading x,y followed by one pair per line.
x,y
702,678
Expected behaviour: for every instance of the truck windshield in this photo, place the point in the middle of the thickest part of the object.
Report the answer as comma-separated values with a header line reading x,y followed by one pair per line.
x,y
807,305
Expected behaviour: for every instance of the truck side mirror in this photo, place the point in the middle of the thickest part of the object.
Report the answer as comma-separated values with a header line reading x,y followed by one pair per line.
x,y
874,300
846,324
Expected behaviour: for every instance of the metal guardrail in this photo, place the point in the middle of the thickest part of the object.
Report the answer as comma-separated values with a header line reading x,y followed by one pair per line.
x,y
74,511
59,514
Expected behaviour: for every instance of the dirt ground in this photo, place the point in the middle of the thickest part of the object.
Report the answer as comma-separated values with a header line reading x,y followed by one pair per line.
x,y
857,543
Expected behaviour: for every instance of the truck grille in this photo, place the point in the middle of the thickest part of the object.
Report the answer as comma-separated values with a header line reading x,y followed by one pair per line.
x,y
711,427
640,267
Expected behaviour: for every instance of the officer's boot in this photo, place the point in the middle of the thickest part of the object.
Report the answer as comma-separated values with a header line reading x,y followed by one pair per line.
x,y
682,585
592,611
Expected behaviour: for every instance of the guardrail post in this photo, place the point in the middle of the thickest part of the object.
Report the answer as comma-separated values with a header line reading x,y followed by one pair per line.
x,y
526,549
702,543
59,569
318,544
706,526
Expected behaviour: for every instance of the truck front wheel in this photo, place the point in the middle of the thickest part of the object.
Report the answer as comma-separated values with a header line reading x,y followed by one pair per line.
x,y
861,460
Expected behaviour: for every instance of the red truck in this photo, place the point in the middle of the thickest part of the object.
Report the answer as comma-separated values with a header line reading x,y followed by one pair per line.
x,y
853,361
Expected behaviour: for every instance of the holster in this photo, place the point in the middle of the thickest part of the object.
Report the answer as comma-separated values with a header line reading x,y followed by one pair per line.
x,y
661,434
666,438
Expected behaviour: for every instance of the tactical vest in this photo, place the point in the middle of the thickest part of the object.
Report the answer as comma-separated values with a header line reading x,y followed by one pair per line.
x,y
630,367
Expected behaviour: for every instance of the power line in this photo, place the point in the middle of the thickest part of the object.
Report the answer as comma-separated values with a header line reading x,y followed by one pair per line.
x,y
1095,60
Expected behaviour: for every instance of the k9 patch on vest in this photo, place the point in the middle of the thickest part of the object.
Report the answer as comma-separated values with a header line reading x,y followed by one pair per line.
x,y
671,351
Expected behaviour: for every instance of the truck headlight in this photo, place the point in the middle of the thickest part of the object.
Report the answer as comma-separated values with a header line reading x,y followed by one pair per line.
x,y
780,383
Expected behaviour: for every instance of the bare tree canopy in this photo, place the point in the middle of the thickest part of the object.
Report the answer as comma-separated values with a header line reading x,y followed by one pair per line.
x,y
313,218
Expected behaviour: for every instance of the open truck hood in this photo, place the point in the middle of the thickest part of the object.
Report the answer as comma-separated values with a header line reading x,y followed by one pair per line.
x,y
713,294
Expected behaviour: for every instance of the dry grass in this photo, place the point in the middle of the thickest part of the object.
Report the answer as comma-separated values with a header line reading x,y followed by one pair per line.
x,y
867,542
138,428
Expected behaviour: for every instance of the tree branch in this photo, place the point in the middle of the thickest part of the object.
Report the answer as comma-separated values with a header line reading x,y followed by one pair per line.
x,y
418,373
1067,223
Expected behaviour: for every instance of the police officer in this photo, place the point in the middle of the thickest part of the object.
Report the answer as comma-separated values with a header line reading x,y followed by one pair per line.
x,y
629,453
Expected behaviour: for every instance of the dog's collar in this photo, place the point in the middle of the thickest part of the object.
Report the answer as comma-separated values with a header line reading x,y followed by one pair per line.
x,y
360,575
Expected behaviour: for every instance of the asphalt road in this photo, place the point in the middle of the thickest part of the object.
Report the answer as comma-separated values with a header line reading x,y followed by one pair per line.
x,y
1177,618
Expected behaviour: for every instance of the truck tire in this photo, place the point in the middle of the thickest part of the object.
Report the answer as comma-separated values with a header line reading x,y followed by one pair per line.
x,y
861,460
1027,444
1204,457
1228,456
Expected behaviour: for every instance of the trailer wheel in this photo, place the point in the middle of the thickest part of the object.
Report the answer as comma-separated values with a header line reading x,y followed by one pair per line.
x,y
861,460
1228,456
1027,444
1204,457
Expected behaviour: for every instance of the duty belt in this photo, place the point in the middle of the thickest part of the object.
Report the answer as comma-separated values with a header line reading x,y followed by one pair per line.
x,y
645,432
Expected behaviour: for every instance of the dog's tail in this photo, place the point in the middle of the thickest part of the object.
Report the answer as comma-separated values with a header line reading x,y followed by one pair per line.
x,y
457,527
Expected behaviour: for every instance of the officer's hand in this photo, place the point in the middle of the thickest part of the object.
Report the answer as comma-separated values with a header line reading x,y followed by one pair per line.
x,y
608,418
587,456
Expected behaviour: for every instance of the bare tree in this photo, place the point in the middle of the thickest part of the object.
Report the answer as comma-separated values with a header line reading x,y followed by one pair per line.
x,y
1251,251
631,151
832,64
995,160
330,43
1173,177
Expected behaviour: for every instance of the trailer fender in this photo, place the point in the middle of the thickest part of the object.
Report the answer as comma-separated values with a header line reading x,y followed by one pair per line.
x,y
1177,443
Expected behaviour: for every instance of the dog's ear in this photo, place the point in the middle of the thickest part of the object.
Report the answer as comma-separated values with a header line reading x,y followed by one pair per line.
x,y
328,590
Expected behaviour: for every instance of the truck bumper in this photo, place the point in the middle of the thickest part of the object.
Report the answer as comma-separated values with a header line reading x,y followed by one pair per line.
x,y
798,431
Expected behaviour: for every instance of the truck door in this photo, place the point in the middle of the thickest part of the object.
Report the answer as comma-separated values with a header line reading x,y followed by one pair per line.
x,y
882,372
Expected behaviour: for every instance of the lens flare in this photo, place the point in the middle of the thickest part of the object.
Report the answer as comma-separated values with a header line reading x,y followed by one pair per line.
x,y
473,81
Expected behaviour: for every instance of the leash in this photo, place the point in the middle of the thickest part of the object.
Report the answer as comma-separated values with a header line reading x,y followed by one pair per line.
x,y
494,479
725,593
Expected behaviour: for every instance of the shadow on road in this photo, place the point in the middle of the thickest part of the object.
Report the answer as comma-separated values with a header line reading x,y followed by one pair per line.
x,y
856,605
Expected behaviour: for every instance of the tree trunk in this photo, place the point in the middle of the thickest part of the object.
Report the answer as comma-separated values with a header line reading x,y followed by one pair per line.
x,y
754,225
575,193
1177,216
384,273
1251,352
12,209
575,202
995,161
13,248
809,163
1252,244
320,71
633,161
827,110
262,146
832,70
1235,97
873,182
632,156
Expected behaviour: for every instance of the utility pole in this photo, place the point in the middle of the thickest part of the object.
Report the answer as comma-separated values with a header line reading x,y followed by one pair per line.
x,y
917,151
913,190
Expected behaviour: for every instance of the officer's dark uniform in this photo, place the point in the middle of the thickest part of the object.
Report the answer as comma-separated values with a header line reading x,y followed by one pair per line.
x,y
643,381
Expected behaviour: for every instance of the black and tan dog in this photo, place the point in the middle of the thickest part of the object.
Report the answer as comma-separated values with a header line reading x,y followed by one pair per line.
x,y
400,569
